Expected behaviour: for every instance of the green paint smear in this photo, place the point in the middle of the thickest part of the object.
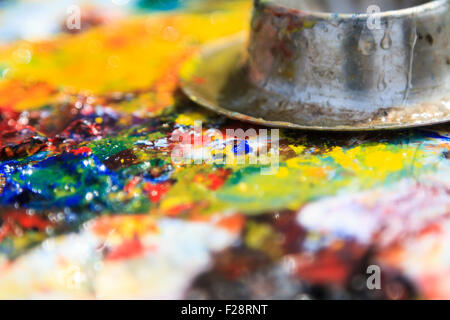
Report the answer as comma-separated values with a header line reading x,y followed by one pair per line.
x,y
248,191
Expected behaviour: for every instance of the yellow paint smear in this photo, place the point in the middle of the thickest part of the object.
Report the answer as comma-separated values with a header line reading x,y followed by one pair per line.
x,y
128,55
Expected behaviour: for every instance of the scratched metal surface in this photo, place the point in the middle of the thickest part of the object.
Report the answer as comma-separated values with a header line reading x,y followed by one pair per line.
x,y
331,71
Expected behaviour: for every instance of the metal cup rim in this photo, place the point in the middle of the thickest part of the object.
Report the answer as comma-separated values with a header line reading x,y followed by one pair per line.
x,y
420,9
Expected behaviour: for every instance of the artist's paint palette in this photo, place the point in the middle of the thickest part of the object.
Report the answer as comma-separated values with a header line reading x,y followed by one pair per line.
x,y
93,205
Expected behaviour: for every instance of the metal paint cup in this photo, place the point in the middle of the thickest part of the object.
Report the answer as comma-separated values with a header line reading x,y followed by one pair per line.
x,y
314,64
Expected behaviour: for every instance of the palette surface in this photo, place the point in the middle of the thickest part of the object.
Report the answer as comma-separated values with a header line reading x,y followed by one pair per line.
x,y
93,205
